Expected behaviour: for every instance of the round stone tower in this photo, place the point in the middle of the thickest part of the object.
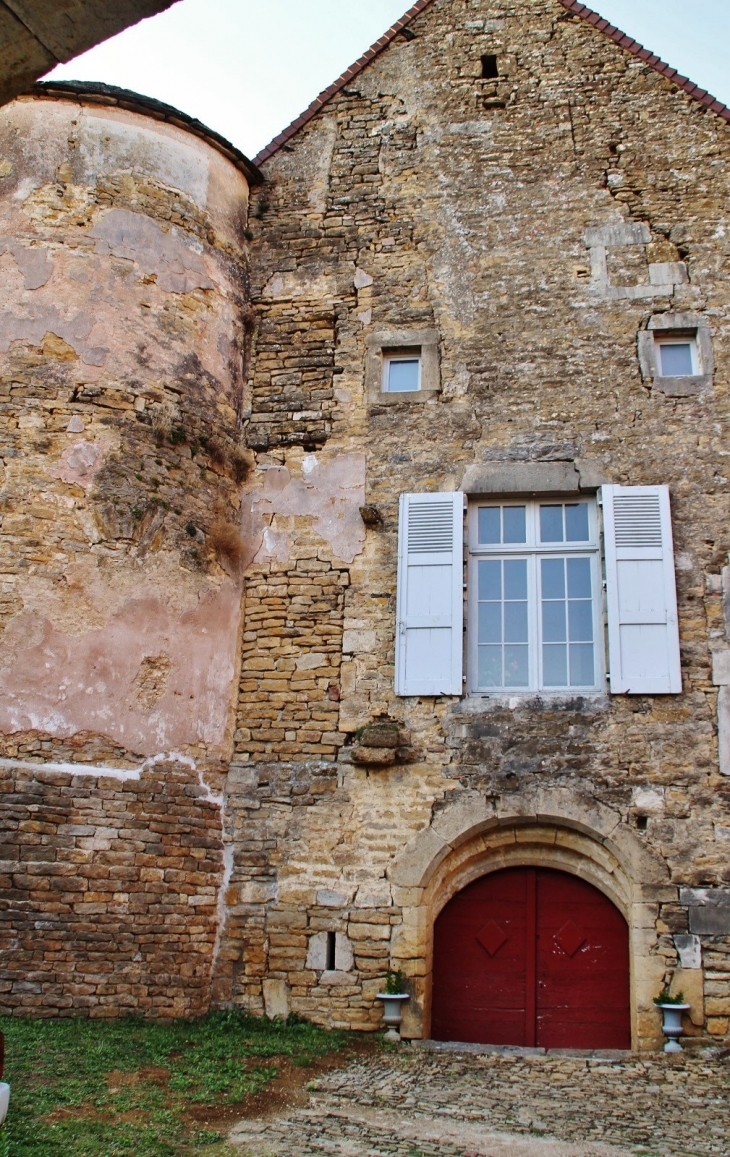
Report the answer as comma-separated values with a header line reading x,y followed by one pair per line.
x,y
124,326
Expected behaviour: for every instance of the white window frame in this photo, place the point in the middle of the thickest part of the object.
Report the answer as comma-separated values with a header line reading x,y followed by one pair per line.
x,y
414,354
666,337
534,550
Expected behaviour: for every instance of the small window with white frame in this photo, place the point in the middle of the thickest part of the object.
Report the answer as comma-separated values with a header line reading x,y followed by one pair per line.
x,y
535,602
676,355
402,370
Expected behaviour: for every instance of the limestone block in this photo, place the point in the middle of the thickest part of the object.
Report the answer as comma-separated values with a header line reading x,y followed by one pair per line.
x,y
464,818
721,668
419,859
520,478
276,998
689,950
375,895
254,892
668,273
691,981
373,756
636,858
330,899
358,642
709,910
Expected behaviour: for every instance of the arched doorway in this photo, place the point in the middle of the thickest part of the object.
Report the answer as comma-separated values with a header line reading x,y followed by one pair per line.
x,y
531,956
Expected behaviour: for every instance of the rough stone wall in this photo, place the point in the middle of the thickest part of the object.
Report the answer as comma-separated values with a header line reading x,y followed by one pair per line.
x,y
124,324
109,891
539,222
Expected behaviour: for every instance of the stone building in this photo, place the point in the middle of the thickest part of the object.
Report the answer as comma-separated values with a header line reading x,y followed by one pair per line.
x,y
365,594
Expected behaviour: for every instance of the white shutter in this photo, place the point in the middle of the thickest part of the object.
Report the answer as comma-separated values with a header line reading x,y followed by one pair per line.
x,y
430,595
643,633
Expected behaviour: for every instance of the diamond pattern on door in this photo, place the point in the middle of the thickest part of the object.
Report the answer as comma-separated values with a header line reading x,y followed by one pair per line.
x,y
570,938
492,937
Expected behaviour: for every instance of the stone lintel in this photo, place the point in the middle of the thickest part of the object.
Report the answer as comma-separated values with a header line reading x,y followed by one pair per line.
x,y
521,478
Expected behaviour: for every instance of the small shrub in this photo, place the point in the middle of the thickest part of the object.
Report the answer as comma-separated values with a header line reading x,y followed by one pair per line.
x,y
228,544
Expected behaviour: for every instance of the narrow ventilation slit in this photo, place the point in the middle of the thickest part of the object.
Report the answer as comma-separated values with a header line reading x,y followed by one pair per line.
x,y
490,70
331,947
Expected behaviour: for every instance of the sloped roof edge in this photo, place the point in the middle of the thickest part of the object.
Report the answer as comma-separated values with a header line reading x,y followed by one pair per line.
x,y
93,92
578,9
353,71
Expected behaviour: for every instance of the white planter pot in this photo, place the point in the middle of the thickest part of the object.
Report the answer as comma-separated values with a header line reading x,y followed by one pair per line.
x,y
391,1012
672,1025
4,1100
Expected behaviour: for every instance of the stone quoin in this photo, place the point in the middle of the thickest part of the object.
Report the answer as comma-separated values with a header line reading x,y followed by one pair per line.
x,y
365,528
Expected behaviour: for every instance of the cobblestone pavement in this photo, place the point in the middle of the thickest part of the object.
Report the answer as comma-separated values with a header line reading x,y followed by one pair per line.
x,y
416,1103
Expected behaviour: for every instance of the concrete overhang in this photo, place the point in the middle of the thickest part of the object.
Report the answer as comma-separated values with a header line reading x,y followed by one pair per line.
x,y
36,35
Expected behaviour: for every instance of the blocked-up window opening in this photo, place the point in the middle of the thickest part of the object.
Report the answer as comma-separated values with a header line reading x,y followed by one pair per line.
x,y
490,71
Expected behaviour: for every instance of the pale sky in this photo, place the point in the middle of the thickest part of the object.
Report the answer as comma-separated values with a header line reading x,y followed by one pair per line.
x,y
248,67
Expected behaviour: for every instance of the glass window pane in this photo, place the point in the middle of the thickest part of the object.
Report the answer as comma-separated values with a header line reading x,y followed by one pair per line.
x,y
580,621
582,673
515,578
676,360
516,667
553,623
555,666
551,524
490,579
490,666
553,578
515,622
403,375
579,578
490,622
489,524
515,525
576,522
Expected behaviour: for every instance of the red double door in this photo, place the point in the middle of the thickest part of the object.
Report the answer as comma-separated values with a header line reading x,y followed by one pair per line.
x,y
531,956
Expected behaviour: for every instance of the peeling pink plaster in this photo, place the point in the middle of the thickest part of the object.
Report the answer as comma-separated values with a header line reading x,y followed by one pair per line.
x,y
79,463
74,329
330,493
32,261
179,268
62,684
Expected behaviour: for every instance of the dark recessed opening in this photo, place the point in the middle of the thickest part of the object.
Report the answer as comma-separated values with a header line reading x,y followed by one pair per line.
x,y
331,945
489,67
642,822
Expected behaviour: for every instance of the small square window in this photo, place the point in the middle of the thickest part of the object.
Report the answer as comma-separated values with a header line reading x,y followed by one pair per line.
x,y
401,371
677,358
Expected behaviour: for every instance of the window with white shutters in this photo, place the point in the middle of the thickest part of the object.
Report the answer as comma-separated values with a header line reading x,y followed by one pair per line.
x,y
643,634
429,636
534,597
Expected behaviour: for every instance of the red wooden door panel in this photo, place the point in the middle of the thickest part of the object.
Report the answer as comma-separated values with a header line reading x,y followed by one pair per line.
x,y
531,956
480,962
582,966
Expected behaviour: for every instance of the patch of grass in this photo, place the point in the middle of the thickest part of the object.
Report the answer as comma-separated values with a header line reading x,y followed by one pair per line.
x,y
133,1088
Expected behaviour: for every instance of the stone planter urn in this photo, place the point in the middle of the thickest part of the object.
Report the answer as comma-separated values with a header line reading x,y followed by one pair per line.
x,y
392,1013
672,1025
